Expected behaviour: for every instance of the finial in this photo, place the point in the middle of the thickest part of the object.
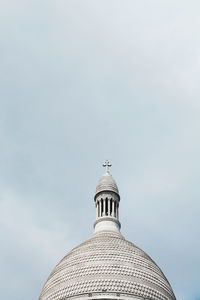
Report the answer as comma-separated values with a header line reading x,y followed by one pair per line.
x,y
107,165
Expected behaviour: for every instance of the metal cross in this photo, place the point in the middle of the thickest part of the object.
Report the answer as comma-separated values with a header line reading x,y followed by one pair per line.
x,y
107,165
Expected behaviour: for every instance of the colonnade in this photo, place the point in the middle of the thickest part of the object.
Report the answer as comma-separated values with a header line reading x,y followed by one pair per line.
x,y
107,207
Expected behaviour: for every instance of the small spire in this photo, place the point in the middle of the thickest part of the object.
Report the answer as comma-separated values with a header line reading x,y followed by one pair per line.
x,y
107,165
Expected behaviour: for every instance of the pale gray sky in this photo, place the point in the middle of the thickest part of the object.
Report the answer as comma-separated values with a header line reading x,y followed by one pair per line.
x,y
86,81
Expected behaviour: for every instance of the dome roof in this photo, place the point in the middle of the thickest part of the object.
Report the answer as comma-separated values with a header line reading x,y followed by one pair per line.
x,y
107,183
107,265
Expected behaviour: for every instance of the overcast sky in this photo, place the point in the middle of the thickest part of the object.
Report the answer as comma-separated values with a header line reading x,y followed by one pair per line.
x,y
82,82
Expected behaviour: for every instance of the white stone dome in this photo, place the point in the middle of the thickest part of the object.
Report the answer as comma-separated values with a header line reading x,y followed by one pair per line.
x,y
109,266
107,183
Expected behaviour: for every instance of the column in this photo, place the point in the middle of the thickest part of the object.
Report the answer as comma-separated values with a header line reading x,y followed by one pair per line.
x,y
96,209
98,204
100,208
104,207
109,207
113,208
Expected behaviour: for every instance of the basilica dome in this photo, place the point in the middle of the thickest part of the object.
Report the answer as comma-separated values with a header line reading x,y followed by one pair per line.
x,y
107,266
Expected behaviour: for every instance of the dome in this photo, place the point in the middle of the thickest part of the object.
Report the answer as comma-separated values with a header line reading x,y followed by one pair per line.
x,y
107,183
108,265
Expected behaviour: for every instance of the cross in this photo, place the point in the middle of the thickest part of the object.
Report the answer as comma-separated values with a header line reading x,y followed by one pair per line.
x,y
107,165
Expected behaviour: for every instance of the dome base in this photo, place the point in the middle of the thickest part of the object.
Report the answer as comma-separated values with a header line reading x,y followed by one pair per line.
x,y
107,224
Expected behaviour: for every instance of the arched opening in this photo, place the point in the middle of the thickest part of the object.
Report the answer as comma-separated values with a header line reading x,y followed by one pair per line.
x,y
106,208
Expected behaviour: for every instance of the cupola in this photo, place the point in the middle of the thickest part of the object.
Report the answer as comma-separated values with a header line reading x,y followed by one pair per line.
x,y
107,203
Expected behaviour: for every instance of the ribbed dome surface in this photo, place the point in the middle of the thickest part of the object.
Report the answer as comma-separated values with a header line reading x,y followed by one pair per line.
x,y
107,183
110,265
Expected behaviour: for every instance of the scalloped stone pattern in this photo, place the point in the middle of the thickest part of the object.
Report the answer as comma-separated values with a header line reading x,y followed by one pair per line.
x,y
107,263
107,183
